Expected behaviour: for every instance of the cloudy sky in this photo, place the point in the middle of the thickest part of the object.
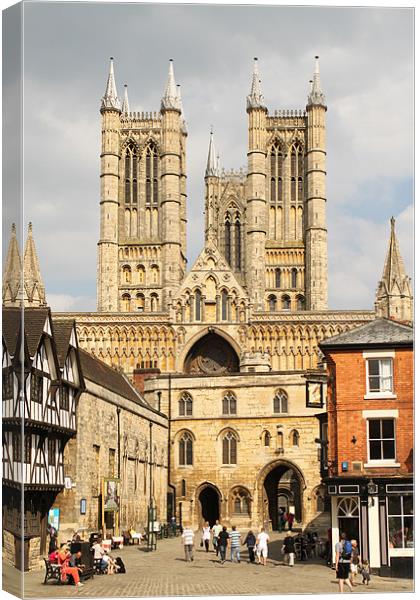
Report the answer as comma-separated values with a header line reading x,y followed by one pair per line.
x,y
366,73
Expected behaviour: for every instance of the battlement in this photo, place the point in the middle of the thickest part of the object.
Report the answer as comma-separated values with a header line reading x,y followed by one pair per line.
x,y
148,119
287,118
233,174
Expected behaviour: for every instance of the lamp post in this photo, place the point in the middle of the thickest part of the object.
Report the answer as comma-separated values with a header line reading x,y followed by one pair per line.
x,y
151,513
372,490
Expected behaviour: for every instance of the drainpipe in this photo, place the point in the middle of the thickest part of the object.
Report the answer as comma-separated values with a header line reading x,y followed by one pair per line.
x,y
170,485
119,441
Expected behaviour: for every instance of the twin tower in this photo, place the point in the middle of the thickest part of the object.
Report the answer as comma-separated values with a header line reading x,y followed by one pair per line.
x,y
269,223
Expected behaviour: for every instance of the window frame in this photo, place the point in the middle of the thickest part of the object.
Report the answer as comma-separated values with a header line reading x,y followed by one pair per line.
x,y
285,397
232,401
185,401
399,550
232,458
374,415
185,454
377,355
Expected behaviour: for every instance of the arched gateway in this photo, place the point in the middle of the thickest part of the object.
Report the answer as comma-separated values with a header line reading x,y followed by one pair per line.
x,y
281,484
208,504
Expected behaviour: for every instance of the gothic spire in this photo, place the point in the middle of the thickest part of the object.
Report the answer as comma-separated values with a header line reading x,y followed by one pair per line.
x,y
255,98
183,122
110,98
316,96
125,109
12,272
171,99
212,167
34,291
394,295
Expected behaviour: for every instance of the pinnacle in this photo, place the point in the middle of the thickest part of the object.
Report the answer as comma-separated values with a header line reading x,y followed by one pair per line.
x,y
255,98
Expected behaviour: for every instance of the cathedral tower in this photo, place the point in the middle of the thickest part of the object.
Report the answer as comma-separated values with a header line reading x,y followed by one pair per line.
x,y
394,297
315,218
256,210
107,283
142,246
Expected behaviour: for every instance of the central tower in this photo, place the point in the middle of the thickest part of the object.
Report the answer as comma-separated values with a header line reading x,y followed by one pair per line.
x,y
270,222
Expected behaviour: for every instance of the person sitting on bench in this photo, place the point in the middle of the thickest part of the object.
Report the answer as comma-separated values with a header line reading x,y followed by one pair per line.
x,y
64,557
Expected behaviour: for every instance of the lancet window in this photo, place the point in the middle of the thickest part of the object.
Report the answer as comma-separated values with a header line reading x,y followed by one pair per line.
x,y
131,161
276,173
296,173
151,175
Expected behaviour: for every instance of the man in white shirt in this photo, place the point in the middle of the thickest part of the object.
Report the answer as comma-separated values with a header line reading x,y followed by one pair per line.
x,y
215,530
187,539
262,546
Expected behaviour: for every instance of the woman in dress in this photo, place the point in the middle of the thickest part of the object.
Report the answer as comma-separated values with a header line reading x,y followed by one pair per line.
x,y
206,535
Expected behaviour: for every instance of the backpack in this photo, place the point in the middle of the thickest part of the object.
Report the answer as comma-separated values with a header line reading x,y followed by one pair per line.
x,y
121,565
346,550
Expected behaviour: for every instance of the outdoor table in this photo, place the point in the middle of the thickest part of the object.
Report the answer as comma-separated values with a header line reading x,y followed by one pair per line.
x,y
117,540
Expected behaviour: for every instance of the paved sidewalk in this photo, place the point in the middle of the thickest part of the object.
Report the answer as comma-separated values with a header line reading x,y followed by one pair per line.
x,y
165,573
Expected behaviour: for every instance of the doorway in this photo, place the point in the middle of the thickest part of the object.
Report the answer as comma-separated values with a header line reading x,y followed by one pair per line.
x,y
349,518
210,505
283,490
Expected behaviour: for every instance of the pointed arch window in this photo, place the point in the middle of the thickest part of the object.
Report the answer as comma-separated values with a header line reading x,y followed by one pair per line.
x,y
185,405
224,305
238,242
296,172
229,404
152,176
229,449
228,248
280,402
276,173
197,305
272,303
185,447
241,502
294,438
278,277
131,174
267,439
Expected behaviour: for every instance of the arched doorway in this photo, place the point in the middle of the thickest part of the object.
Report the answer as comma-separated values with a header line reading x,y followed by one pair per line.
x,y
282,488
209,503
348,518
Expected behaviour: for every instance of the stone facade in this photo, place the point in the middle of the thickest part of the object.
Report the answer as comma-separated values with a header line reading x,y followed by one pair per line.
x,y
93,455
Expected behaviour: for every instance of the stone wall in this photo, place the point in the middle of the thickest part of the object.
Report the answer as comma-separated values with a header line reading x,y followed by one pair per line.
x,y
93,455
8,547
254,418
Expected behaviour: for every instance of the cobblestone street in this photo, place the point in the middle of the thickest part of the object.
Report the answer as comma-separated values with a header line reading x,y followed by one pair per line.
x,y
165,573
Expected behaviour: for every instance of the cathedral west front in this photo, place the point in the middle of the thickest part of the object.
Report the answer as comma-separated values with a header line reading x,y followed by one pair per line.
x,y
227,349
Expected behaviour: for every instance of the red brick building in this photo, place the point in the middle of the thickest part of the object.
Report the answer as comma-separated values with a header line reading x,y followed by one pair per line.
x,y
369,470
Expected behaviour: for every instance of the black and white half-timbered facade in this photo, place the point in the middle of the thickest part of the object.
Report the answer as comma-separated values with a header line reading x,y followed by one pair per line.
x,y
42,381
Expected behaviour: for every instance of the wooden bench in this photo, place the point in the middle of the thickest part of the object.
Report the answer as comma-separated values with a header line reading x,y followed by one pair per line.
x,y
52,572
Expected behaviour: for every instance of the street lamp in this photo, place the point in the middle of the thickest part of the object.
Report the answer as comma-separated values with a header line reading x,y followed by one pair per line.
x,y
372,489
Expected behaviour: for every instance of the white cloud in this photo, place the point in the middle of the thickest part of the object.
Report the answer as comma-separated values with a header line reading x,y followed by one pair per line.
x,y
366,71
67,303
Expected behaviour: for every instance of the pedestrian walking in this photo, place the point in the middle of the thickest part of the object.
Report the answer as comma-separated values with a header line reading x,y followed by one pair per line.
x,y
187,539
290,519
289,550
343,551
250,542
215,530
235,545
284,520
365,572
206,535
223,541
355,560
262,547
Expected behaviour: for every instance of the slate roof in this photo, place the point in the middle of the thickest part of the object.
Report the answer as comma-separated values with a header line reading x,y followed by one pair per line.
x,y
379,332
62,333
11,327
100,373
34,319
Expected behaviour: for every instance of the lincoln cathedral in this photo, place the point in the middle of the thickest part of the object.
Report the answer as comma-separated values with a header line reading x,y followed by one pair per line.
x,y
223,355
